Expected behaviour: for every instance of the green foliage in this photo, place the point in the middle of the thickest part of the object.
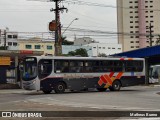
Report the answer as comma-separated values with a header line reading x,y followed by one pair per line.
x,y
3,48
102,55
66,42
82,52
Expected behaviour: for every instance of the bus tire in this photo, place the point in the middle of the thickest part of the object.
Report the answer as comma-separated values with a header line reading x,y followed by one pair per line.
x,y
47,91
116,86
60,87
101,89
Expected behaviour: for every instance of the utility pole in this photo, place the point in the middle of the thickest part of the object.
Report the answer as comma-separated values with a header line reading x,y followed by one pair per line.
x,y
150,34
58,41
5,39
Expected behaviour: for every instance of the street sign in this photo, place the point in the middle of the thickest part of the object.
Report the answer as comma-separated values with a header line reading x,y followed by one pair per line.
x,y
5,61
52,25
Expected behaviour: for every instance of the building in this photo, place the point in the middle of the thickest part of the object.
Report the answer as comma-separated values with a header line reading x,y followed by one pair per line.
x,y
8,37
67,48
37,44
137,20
84,41
104,48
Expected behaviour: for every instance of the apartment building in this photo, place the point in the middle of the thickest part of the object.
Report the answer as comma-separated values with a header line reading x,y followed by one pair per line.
x,y
134,20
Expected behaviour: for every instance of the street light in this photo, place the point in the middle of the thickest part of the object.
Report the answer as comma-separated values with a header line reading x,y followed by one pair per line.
x,y
69,25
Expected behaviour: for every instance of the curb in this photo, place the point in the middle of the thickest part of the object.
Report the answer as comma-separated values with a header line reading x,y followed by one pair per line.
x,y
9,86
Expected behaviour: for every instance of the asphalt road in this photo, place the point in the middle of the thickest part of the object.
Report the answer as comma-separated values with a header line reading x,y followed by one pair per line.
x,y
128,99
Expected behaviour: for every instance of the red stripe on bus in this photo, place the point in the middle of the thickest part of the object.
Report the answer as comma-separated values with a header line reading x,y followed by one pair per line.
x,y
100,82
111,74
119,75
108,79
103,79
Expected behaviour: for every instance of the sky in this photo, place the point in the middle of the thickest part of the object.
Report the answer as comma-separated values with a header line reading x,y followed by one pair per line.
x,y
34,16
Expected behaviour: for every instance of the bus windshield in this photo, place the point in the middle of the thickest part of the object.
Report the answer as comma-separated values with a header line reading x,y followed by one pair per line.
x,y
29,69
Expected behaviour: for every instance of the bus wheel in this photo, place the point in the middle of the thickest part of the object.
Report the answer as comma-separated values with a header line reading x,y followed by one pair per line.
x,y
101,89
47,91
60,87
116,86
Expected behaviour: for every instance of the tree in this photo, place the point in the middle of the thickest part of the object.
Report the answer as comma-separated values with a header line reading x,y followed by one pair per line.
x,y
158,40
66,42
82,52
102,55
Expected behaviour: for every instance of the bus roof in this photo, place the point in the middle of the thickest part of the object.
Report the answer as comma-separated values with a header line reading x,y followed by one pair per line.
x,y
86,58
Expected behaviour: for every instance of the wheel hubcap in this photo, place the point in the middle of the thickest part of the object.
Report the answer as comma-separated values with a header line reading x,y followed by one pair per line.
x,y
60,87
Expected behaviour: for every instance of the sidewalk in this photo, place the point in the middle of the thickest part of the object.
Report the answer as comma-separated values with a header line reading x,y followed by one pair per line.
x,y
9,86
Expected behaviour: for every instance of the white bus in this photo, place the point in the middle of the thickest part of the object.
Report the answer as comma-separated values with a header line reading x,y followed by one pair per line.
x,y
49,73
154,74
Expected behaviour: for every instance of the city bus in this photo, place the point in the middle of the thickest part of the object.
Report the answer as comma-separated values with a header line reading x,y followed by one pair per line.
x,y
154,74
47,73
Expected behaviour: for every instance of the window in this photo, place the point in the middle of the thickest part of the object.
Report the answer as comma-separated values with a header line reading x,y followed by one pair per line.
x,y
37,47
76,66
131,21
131,41
131,31
136,7
131,16
49,47
136,26
61,66
132,66
9,36
137,41
14,44
44,68
15,36
136,12
103,47
131,37
132,46
131,26
111,65
28,46
137,46
94,47
9,43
